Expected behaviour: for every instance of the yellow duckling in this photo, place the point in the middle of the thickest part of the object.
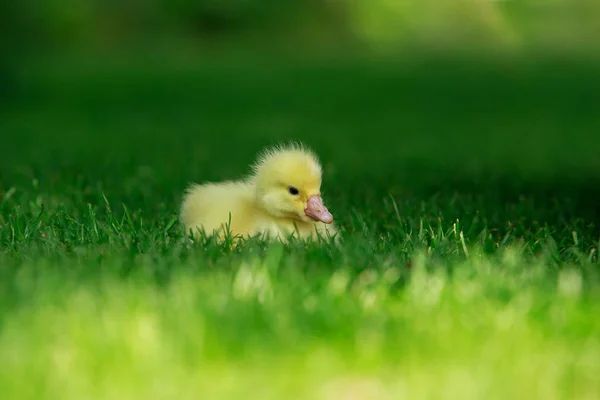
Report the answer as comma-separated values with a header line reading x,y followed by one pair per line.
x,y
281,198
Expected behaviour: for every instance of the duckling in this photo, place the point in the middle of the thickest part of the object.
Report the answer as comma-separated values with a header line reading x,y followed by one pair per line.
x,y
280,198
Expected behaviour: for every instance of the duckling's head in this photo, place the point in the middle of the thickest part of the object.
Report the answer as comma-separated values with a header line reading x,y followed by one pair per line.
x,y
288,184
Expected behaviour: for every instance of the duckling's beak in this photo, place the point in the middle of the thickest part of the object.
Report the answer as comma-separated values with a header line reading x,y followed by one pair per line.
x,y
316,210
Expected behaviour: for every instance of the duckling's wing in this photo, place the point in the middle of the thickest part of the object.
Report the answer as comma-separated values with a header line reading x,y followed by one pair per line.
x,y
213,206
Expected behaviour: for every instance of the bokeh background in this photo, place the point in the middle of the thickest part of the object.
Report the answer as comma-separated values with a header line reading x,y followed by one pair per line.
x,y
459,88
134,100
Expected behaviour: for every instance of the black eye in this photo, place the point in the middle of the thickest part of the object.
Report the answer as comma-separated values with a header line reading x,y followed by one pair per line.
x,y
293,191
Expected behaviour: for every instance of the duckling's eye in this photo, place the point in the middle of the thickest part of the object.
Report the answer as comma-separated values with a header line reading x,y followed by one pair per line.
x,y
293,191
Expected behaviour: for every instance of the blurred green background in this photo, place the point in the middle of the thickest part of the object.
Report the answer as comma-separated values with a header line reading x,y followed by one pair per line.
x,y
399,95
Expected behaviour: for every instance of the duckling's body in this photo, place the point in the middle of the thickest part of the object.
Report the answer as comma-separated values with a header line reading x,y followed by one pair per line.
x,y
280,199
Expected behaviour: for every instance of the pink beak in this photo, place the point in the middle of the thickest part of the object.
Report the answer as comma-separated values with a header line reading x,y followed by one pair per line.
x,y
316,210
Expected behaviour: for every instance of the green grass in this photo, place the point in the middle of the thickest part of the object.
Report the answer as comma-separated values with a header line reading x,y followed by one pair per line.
x,y
467,194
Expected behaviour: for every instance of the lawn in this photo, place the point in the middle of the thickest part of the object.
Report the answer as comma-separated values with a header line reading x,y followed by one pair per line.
x,y
468,193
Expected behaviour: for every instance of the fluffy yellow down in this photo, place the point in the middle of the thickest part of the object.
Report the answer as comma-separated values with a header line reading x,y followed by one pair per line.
x,y
279,199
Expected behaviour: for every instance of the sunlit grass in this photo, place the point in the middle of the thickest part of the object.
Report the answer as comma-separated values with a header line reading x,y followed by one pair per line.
x,y
265,327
